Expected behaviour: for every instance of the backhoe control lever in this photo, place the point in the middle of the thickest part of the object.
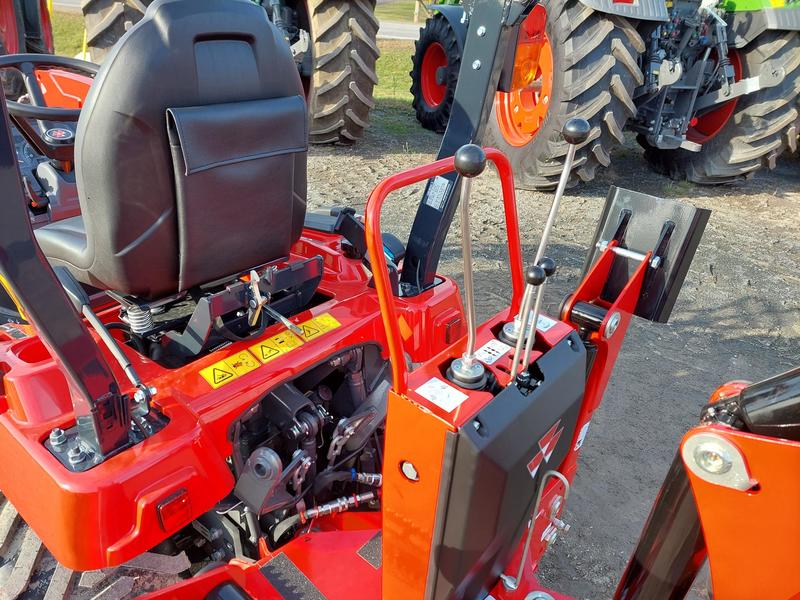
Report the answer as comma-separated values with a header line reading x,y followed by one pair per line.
x,y
467,372
575,132
535,278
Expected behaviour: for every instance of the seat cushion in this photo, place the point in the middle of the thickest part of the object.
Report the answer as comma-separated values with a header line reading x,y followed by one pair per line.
x,y
64,244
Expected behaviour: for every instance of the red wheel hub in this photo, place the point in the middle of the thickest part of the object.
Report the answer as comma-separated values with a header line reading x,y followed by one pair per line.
x,y
704,127
434,59
521,111
8,28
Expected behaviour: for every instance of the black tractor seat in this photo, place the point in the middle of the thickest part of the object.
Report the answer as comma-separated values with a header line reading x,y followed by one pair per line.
x,y
190,156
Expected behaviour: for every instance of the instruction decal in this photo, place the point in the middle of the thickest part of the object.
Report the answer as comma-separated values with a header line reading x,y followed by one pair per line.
x,y
437,192
265,351
441,394
544,323
229,369
492,351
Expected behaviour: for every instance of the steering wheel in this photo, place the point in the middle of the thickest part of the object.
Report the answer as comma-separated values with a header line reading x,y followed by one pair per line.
x,y
53,142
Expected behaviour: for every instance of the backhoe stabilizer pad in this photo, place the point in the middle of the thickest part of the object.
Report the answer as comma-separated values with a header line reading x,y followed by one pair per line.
x,y
639,222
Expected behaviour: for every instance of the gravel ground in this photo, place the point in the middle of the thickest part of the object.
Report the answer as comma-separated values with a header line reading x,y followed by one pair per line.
x,y
736,318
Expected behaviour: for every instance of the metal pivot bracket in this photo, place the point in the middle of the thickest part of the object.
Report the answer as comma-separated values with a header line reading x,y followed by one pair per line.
x,y
633,225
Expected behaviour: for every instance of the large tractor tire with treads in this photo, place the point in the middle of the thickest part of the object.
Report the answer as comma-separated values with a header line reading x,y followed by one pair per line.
x,y
344,52
744,135
343,34
434,73
29,572
587,68
107,21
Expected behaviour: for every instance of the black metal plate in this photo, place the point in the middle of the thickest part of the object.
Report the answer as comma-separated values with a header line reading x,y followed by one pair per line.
x,y
648,215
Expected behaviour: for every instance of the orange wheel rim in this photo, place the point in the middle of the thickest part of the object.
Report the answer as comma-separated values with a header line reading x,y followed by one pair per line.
x,y
521,111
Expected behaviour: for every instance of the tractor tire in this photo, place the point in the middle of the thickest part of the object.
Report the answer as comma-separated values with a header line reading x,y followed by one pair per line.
x,y
29,572
761,126
594,71
434,73
107,21
344,49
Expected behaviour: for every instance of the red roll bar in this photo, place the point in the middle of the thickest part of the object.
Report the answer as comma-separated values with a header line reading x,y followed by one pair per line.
x,y
372,224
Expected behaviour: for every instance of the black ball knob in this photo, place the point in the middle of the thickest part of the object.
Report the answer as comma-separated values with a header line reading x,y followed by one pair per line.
x,y
470,160
535,275
548,264
576,131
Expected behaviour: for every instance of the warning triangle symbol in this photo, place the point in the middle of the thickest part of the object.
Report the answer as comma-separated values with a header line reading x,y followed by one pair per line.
x,y
310,330
268,351
220,375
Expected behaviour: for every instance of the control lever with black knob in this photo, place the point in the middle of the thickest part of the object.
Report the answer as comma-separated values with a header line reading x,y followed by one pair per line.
x,y
467,372
575,132
535,279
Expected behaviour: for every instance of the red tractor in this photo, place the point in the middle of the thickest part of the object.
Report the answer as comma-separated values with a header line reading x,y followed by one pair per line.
x,y
297,402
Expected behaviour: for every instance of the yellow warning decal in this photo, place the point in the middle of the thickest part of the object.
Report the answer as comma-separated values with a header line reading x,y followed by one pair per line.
x,y
273,347
229,369
318,325
7,287
266,350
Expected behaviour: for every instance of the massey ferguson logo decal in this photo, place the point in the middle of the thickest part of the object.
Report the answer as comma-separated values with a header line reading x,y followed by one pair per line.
x,y
546,446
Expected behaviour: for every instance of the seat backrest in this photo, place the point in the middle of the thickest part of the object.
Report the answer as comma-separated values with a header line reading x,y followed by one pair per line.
x,y
191,149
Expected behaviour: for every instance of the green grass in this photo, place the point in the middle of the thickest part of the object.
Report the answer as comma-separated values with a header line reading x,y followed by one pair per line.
x,y
393,113
393,116
399,10
394,67
68,33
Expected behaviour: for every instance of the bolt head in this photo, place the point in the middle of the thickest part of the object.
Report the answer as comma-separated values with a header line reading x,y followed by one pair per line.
x,y
612,325
76,455
655,262
409,471
476,65
712,458
57,437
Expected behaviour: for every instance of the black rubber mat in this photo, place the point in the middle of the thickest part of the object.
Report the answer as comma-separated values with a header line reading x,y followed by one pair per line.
x,y
372,551
289,581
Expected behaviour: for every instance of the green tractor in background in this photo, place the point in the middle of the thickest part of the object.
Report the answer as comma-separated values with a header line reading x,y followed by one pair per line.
x,y
710,88
333,42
